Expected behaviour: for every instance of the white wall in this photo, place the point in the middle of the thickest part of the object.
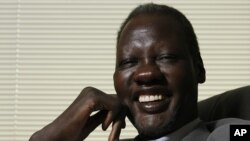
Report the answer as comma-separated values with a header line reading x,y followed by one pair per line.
x,y
51,49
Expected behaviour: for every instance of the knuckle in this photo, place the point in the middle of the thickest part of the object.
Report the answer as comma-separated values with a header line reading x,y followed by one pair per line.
x,y
86,90
90,95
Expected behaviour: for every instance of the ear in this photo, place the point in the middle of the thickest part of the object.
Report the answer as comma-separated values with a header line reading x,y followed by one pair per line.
x,y
200,71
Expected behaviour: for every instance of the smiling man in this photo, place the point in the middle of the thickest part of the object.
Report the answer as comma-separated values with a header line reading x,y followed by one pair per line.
x,y
156,75
158,69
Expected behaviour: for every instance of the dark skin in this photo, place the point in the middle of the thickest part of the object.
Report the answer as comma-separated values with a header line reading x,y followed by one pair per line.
x,y
76,122
152,60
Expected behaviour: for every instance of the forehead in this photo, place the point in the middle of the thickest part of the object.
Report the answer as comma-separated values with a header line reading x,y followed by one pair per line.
x,y
163,23
159,27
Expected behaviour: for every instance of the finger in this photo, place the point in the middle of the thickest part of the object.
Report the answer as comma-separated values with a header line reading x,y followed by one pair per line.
x,y
117,127
110,102
108,120
93,122
98,100
116,131
91,100
112,115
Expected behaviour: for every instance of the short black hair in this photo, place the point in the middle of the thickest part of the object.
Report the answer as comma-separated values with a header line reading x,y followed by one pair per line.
x,y
185,25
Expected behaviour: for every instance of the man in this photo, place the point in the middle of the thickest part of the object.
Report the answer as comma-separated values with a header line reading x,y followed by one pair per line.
x,y
158,68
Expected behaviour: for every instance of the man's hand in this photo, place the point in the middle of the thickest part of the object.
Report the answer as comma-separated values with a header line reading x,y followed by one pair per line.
x,y
78,121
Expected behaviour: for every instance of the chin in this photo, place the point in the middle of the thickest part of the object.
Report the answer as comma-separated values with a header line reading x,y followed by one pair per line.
x,y
153,132
152,128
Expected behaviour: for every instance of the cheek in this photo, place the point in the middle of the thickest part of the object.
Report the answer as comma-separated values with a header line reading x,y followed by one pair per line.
x,y
181,76
121,84
182,82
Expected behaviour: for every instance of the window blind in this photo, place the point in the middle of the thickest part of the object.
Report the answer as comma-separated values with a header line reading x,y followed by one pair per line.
x,y
51,49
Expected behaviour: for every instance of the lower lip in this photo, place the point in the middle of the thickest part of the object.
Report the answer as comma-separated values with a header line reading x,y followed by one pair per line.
x,y
154,107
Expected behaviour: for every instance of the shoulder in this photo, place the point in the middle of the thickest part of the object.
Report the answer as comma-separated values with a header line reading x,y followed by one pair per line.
x,y
214,131
224,122
220,129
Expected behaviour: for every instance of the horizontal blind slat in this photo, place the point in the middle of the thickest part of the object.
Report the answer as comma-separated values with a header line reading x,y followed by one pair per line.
x,y
51,49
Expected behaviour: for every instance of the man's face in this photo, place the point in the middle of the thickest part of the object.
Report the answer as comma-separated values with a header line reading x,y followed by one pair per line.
x,y
155,76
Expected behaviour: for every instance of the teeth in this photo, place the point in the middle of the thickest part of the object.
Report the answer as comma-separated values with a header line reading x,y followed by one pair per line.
x,y
149,98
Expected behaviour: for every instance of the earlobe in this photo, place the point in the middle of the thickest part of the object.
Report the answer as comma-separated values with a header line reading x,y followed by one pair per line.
x,y
201,72
202,75
114,77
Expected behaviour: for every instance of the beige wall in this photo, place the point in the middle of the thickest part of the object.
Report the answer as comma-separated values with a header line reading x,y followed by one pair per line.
x,y
51,49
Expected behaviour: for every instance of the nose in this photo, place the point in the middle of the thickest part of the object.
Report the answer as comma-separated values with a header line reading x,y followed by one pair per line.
x,y
148,74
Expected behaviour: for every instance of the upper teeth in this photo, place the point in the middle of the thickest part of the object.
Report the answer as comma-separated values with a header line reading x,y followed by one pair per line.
x,y
149,98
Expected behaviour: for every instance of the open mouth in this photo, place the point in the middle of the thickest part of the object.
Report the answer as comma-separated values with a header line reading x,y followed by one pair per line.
x,y
153,103
150,98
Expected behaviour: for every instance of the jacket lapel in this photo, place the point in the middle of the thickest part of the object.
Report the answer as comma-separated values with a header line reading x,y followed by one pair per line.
x,y
200,133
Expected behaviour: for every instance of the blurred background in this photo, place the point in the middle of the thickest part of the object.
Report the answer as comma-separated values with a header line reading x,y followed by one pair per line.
x,y
51,49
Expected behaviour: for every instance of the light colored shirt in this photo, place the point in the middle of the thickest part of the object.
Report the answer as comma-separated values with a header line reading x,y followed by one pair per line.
x,y
180,133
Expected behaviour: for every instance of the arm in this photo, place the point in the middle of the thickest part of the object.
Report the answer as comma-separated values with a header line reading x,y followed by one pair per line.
x,y
76,122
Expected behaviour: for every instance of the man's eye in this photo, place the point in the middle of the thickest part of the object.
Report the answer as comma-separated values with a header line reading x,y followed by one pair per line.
x,y
126,63
167,58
